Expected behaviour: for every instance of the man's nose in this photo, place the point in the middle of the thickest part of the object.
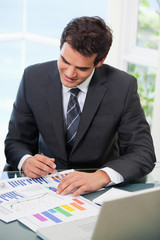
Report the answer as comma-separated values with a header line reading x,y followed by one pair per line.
x,y
71,72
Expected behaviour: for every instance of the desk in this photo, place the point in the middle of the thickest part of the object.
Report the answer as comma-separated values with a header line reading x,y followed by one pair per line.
x,y
18,231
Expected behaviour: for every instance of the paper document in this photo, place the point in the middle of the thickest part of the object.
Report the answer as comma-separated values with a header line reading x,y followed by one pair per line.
x,y
20,197
35,202
68,210
111,194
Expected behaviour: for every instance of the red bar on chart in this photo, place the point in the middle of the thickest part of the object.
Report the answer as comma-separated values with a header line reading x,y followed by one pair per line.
x,y
78,201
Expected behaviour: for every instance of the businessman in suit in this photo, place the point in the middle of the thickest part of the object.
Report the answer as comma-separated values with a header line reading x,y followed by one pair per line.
x,y
111,132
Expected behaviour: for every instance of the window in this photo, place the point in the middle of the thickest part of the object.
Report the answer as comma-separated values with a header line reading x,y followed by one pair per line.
x,y
147,37
29,33
141,56
147,33
137,51
147,48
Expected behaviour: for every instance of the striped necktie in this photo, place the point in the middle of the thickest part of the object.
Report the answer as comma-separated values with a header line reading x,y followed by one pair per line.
x,y
73,117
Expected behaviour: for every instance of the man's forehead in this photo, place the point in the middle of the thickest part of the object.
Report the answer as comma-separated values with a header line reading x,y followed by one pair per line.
x,y
73,57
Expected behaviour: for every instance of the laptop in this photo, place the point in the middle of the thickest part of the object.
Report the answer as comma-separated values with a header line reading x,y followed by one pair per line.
x,y
134,217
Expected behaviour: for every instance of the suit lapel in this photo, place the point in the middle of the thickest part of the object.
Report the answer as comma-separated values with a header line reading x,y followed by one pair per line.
x,y
94,97
54,98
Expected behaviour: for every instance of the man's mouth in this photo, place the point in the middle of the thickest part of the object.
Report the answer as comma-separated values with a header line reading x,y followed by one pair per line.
x,y
71,80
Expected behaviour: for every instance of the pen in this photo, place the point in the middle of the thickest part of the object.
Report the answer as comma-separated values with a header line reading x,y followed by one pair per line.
x,y
58,174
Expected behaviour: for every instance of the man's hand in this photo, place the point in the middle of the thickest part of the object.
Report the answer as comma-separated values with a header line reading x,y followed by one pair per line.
x,y
38,165
81,182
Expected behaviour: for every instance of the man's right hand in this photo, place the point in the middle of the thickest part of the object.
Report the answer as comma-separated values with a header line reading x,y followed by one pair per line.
x,y
38,165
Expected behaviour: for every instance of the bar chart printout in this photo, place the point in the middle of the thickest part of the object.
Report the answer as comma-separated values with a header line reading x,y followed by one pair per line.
x,y
20,197
73,209
22,182
37,203
16,183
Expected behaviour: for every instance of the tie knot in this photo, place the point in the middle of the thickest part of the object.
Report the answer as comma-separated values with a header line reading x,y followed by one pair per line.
x,y
74,91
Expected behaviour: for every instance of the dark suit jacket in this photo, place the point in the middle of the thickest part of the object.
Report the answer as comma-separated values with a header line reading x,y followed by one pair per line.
x,y
112,132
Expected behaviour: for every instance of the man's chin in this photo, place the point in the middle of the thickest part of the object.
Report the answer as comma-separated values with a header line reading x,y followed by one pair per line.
x,y
69,84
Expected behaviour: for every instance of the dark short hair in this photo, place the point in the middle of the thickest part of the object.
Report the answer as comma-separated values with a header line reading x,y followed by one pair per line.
x,y
88,36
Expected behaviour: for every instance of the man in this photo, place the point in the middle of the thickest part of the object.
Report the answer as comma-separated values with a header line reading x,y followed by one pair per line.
x,y
112,135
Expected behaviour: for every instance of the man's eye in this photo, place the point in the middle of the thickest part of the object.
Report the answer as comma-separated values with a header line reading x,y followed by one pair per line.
x,y
64,61
83,69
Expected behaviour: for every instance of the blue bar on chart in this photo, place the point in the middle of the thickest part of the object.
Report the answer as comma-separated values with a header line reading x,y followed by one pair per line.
x,y
10,196
28,181
51,188
16,195
56,179
39,180
52,210
3,198
12,184
43,180
51,217
22,182
16,183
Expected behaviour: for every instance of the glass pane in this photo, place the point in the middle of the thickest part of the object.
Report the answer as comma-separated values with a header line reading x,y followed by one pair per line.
x,y
37,52
148,23
50,17
47,18
10,62
146,86
10,75
11,13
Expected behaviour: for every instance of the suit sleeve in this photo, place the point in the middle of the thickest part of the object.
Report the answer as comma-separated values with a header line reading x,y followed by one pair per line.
x,y
22,137
134,139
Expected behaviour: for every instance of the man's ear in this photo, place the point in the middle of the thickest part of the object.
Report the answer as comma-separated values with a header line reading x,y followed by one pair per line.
x,y
101,62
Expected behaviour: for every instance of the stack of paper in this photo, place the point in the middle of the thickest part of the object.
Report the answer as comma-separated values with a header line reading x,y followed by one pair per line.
x,y
35,202
111,194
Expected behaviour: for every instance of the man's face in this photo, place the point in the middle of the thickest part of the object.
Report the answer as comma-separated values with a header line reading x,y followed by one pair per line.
x,y
74,68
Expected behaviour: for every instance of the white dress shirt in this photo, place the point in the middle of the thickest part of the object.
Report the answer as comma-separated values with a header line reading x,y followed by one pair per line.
x,y
114,176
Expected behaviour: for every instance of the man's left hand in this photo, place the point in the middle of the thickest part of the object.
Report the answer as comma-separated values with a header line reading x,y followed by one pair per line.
x,y
81,182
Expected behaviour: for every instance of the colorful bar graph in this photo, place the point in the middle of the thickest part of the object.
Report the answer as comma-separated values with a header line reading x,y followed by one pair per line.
x,y
67,214
51,217
77,206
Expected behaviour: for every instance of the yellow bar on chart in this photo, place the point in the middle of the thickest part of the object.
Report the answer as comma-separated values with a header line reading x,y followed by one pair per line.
x,y
67,207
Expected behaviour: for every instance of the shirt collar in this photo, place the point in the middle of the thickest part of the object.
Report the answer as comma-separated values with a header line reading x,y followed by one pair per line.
x,y
83,86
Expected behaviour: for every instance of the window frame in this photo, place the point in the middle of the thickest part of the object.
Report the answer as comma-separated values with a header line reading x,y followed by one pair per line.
x,y
125,50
